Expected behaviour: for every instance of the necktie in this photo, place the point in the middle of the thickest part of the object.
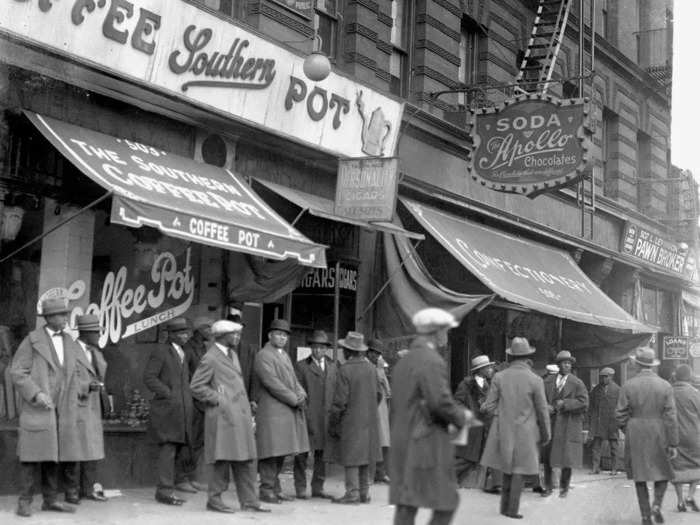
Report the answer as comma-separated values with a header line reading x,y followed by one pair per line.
x,y
57,334
230,354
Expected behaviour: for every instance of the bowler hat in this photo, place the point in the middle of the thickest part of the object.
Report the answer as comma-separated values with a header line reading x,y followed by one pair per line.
x,y
565,355
318,337
279,324
481,361
354,341
519,346
176,325
645,356
607,371
429,320
376,346
54,305
224,327
88,323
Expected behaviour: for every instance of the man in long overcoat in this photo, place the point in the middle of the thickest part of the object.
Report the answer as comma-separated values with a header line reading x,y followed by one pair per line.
x,y
317,375
352,421
281,419
520,424
167,375
569,405
421,461
229,439
686,466
602,425
378,470
43,372
646,411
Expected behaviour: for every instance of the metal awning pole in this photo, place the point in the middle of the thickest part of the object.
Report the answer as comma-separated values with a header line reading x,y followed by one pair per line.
x,y
57,226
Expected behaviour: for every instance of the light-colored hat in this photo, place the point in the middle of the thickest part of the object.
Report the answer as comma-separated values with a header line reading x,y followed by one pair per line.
x,y
224,327
645,356
552,369
54,305
88,323
565,355
607,371
481,361
201,321
430,320
354,341
519,346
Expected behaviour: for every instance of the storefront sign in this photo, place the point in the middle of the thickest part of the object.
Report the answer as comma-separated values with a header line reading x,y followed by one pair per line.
x,y
648,247
366,189
188,53
675,347
531,144
694,349
324,280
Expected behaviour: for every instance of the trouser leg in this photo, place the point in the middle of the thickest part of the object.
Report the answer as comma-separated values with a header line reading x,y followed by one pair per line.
x,y
505,492
300,462
565,480
613,454
166,468
29,474
352,482
405,515
547,467
49,480
268,475
595,452
244,477
659,491
279,463
183,462
319,474
88,477
643,498
363,478
441,517
516,489
218,479
69,473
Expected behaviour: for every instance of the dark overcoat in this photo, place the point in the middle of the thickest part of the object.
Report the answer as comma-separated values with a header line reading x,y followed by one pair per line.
x,y
687,465
228,422
47,435
472,396
89,422
647,412
280,419
353,438
516,399
601,413
194,349
171,406
319,386
422,456
567,429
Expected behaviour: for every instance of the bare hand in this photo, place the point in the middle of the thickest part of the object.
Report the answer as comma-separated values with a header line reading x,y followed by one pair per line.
x,y
44,401
672,452
559,403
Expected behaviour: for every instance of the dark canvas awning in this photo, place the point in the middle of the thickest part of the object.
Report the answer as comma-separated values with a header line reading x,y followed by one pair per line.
x,y
525,272
179,196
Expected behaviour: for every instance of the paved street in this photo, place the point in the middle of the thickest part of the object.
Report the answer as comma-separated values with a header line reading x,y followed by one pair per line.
x,y
593,499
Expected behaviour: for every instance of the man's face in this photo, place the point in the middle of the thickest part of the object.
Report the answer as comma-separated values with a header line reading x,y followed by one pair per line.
x,y
441,337
179,337
488,371
606,379
318,351
232,339
57,321
278,338
205,332
373,356
564,367
91,338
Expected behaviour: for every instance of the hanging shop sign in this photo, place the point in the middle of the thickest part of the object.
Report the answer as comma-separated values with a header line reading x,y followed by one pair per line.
x,y
651,248
694,349
366,189
675,347
529,144
324,280
191,54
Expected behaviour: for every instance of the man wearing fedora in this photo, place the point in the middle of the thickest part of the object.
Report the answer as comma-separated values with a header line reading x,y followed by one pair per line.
x,y
281,419
229,438
167,375
421,464
378,470
646,412
43,371
317,375
352,421
569,402
472,392
602,425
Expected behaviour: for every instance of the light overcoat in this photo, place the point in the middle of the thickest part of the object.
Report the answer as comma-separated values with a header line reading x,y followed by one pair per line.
x,y
280,419
516,399
319,386
601,414
421,460
228,422
687,465
383,408
567,430
90,431
647,412
42,436
352,422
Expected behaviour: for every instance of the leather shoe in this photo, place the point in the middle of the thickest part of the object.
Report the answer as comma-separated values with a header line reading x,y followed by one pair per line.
x,y
594,472
169,499
269,498
321,495
382,479
201,487
365,498
656,514
613,472
57,506
690,503
73,499
493,490
284,497
646,521
514,516
219,506
538,490
24,509
255,508
346,500
563,493
302,495
96,496
546,492
186,486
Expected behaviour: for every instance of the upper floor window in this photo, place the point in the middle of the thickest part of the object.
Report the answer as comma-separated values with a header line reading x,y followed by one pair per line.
x,y
326,26
469,47
607,145
399,68
226,7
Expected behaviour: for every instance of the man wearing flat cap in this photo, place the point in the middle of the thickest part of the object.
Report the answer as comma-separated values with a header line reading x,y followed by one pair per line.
x,y
281,418
167,375
317,375
43,372
229,438
602,425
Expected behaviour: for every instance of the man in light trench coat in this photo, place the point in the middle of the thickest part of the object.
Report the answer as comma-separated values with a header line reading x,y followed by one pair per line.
x,y
229,439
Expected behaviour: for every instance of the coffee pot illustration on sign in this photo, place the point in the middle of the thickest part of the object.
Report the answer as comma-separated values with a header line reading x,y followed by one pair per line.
x,y
375,129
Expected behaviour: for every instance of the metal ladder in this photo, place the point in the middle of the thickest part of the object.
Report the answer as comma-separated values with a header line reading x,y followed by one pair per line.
x,y
546,37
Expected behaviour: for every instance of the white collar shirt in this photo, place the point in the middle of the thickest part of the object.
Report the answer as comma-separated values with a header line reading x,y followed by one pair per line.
x,y
180,352
481,381
88,353
56,337
321,363
224,350
561,381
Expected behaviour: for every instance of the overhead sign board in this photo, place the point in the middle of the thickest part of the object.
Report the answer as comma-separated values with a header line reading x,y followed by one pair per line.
x,y
366,189
529,144
675,347
651,248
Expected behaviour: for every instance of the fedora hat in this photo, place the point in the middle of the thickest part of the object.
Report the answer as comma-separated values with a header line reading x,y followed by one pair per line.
x,y
318,337
429,320
607,371
200,322
520,347
481,361
376,346
176,325
354,341
54,305
565,355
88,323
280,324
645,356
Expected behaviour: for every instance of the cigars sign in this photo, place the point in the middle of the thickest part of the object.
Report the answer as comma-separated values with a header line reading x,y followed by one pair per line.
x,y
185,52
530,144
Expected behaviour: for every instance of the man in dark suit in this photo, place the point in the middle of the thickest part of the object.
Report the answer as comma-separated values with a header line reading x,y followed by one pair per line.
x,y
602,425
167,376
317,376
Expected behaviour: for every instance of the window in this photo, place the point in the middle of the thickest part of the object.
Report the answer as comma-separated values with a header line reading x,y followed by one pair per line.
x,y
609,131
468,72
399,61
326,26
643,169
226,7
569,89
604,22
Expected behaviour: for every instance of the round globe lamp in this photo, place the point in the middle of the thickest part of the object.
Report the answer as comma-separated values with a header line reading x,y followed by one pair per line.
x,y
317,67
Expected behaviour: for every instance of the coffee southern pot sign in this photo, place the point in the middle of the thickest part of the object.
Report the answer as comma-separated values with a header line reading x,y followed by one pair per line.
x,y
531,144
188,53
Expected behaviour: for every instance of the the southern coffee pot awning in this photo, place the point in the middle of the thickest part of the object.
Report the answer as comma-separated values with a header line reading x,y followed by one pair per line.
x,y
179,196
525,272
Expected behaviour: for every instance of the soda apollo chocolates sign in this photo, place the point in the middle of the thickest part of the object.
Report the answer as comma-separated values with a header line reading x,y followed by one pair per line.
x,y
530,144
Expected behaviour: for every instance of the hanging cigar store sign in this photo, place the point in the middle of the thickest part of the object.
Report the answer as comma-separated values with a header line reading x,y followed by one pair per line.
x,y
366,189
529,144
651,248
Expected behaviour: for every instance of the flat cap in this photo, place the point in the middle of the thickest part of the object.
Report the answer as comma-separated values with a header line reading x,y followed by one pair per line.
x,y
430,320
224,327
607,371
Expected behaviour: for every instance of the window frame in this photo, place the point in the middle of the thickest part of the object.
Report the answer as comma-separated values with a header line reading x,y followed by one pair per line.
x,y
401,49
321,12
